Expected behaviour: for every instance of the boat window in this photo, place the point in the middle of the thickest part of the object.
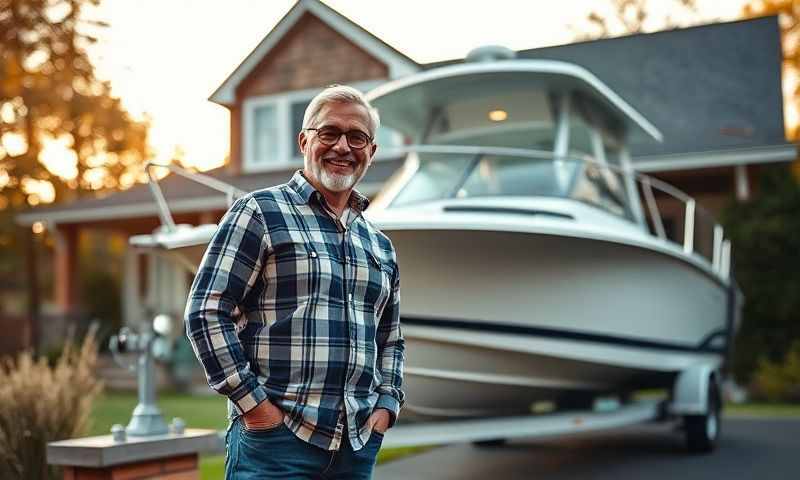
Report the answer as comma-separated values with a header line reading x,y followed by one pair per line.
x,y
436,178
602,187
513,119
580,139
504,176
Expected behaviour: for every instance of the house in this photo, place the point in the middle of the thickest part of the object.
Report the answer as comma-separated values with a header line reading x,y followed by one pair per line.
x,y
714,91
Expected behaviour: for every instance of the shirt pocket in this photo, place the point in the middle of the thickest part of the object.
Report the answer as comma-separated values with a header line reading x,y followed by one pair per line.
x,y
292,274
374,283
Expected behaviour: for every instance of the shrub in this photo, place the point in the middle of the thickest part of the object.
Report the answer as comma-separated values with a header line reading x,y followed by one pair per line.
x,y
777,382
43,403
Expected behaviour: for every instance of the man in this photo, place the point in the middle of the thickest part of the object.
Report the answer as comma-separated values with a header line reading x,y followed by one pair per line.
x,y
294,312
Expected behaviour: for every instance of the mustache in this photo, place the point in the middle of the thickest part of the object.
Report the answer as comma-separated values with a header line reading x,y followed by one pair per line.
x,y
340,158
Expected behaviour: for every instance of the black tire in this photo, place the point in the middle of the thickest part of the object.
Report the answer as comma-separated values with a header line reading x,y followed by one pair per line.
x,y
703,431
495,442
575,402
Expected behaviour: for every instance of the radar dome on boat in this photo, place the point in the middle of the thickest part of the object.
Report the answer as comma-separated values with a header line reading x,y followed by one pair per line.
x,y
490,53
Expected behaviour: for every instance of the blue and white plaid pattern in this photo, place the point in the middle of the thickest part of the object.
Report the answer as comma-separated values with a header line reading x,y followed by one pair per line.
x,y
282,308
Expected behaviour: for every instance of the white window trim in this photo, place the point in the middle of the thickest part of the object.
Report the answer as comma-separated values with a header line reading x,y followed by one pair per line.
x,y
282,102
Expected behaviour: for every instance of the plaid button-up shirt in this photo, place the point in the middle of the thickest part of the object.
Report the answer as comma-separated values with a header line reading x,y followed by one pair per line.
x,y
292,306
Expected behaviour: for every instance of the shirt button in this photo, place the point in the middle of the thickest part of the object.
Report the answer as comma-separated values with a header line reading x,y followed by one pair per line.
x,y
313,254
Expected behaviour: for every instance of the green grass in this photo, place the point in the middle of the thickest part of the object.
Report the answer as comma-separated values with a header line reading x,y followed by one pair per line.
x,y
197,412
763,409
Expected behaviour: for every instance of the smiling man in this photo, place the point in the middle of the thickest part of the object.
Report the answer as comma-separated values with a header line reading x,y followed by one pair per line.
x,y
294,312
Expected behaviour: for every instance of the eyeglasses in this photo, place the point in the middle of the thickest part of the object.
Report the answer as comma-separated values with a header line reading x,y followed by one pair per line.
x,y
330,136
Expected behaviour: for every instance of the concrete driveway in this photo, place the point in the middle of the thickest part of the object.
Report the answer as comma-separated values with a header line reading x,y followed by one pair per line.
x,y
751,448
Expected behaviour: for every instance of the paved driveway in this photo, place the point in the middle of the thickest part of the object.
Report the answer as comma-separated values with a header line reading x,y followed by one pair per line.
x,y
761,449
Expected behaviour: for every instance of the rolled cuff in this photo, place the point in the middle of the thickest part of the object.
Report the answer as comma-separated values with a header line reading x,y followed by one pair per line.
x,y
246,399
392,405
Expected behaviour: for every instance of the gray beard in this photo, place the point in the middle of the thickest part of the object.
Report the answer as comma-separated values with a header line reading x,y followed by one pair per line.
x,y
337,183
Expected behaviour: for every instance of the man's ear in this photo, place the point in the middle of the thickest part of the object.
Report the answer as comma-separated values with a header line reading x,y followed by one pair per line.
x,y
373,148
302,141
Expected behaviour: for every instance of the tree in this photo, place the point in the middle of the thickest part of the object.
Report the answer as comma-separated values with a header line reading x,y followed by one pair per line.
x,y
765,233
62,133
788,12
625,17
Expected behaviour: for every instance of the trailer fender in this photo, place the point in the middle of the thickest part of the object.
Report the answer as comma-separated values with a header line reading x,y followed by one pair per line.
x,y
690,393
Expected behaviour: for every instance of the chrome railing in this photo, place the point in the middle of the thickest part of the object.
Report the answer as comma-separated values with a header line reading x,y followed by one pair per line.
x,y
230,191
701,234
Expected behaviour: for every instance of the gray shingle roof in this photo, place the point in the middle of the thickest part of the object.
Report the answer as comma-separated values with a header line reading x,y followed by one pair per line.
x,y
138,200
707,88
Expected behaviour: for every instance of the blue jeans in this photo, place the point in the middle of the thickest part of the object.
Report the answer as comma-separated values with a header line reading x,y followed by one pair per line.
x,y
277,453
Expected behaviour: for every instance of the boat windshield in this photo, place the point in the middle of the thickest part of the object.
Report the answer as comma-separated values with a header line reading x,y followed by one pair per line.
x,y
441,175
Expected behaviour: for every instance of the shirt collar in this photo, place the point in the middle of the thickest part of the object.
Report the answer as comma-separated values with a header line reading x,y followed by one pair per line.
x,y
299,184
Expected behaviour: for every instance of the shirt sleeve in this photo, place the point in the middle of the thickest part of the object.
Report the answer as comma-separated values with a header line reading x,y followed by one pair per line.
x,y
229,269
391,351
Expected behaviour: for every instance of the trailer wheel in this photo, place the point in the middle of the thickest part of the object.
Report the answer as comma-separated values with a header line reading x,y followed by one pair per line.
x,y
575,401
495,442
702,431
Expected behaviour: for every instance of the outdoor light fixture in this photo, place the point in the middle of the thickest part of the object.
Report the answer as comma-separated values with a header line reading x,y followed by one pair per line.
x,y
498,115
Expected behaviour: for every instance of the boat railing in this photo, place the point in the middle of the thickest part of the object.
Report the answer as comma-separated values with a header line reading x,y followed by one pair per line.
x,y
667,212
164,213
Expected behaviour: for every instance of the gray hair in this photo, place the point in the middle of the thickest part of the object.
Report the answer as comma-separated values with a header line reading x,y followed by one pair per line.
x,y
340,94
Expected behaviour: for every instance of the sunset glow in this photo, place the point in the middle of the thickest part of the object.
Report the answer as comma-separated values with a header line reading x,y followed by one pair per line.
x,y
164,59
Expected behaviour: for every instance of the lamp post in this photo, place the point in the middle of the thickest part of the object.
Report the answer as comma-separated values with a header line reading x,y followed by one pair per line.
x,y
151,344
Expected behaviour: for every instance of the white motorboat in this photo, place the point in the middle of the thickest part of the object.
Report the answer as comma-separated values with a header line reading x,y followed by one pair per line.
x,y
534,261
535,264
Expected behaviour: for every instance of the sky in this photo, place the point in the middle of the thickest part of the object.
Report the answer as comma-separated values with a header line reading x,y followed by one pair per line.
x,y
164,58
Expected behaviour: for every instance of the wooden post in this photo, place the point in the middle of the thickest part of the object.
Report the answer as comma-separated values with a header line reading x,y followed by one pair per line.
x,y
34,301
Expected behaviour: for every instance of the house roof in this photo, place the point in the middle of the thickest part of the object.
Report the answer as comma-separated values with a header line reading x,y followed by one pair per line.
x,y
183,195
398,63
714,91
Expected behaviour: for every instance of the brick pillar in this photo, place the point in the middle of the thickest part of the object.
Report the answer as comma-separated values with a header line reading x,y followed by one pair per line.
x,y
174,468
159,457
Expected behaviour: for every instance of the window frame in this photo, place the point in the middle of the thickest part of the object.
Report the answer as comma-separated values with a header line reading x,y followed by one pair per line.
x,y
283,111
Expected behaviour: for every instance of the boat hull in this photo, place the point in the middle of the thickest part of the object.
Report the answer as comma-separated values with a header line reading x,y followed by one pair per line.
x,y
495,321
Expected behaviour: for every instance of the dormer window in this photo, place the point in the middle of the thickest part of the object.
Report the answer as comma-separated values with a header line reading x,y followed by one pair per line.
x,y
271,124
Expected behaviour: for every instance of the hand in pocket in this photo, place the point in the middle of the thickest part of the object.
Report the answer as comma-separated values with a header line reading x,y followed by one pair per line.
x,y
264,416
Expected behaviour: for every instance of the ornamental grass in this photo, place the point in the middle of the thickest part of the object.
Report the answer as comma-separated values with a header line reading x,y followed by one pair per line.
x,y
41,403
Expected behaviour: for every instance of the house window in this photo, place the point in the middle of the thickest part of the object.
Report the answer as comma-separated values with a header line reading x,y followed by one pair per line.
x,y
298,110
271,124
270,130
265,138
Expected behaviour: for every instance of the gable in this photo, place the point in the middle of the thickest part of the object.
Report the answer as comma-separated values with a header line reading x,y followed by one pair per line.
x,y
311,55
396,63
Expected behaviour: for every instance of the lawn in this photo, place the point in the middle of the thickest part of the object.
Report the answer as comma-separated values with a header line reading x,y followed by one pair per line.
x,y
764,410
197,412
209,412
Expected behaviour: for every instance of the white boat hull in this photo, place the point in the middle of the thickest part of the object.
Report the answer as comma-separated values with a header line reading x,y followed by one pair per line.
x,y
500,320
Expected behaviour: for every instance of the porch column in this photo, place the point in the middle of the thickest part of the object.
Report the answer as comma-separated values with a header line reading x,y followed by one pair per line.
x,y
742,183
131,300
31,334
65,268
